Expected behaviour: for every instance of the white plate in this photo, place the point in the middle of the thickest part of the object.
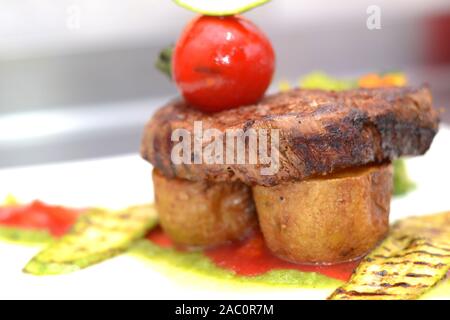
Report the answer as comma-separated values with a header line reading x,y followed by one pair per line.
x,y
123,181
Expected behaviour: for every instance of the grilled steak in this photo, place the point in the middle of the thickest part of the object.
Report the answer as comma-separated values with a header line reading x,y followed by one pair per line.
x,y
320,132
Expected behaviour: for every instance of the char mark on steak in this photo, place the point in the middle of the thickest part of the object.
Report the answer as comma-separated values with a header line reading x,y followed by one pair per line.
x,y
320,132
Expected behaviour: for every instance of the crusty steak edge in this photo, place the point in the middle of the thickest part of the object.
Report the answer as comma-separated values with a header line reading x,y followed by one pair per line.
x,y
320,132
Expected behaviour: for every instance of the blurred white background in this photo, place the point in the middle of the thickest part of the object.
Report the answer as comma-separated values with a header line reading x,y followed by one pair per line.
x,y
36,27
77,77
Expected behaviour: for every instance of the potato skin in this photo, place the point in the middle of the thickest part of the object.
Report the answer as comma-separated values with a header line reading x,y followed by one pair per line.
x,y
202,214
326,220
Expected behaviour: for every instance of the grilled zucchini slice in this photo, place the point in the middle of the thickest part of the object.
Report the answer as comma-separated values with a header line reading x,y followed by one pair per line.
x,y
24,236
414,258
97,235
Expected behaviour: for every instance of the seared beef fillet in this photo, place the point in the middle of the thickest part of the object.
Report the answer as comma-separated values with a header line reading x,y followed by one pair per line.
x,y
320,132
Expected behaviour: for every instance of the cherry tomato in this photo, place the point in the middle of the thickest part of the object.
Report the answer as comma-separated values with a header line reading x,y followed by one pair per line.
x,y
222,62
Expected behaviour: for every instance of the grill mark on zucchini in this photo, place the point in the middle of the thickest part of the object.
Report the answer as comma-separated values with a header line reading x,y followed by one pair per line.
x,y
417,275
96,236
410,261
419,263
361,294
400,284
384,273
437,266
413,252
381,273
436,247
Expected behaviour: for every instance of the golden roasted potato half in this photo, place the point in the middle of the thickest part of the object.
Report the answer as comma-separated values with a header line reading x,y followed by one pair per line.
x,y
203,214
326,220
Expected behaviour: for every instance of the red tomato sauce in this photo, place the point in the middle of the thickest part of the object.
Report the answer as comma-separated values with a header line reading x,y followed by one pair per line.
x,y
37,215
157,236
251,257
248,258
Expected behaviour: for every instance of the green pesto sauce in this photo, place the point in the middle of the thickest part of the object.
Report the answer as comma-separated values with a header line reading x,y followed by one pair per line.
x,y
179,264
199,264
24,237
322,81
402,183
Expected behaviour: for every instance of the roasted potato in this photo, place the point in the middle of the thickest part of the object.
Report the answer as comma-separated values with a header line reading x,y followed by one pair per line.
x,y
331,219
202,214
